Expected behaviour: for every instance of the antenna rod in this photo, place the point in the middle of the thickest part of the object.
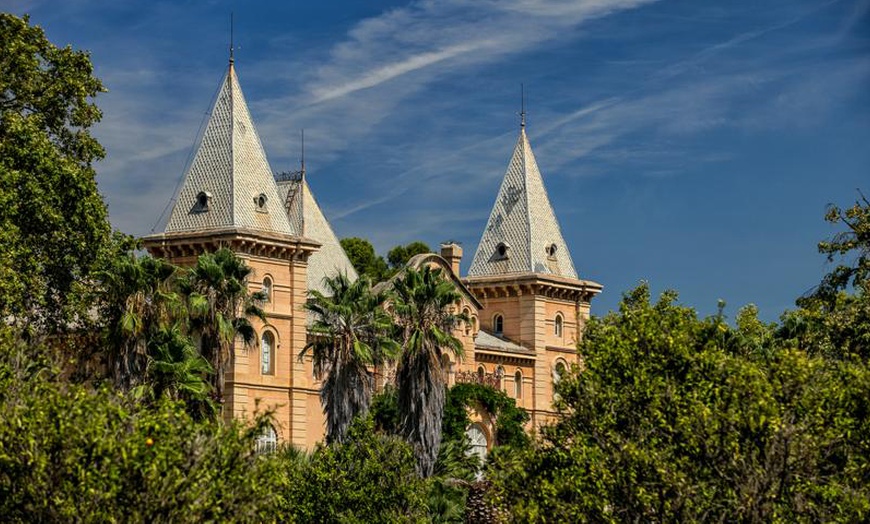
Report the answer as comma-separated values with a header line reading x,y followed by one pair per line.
x,y
232,47
522,106
303,154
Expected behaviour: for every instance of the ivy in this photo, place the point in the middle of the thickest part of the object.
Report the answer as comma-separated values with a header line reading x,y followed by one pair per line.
x,y
509,419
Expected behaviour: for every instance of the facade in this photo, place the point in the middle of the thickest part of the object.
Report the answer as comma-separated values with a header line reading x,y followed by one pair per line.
x,y
526,303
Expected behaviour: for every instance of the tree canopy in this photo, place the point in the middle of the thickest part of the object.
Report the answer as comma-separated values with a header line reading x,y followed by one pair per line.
x,y
53,221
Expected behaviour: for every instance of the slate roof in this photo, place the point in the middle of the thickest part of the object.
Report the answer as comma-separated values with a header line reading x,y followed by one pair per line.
x,y
231,171
485,340
305,216
522,220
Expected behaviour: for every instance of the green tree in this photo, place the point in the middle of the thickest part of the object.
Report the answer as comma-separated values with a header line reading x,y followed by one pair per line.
x,y
53,221
400,255
423,302
350,331
362,255
220,308
369,477
674,418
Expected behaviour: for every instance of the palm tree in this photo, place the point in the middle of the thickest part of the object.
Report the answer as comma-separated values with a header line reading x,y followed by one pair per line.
x,y
423,303
350,332
220,307
137,298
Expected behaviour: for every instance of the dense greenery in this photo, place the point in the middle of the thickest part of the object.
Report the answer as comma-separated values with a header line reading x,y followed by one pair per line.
x,y
510,420
676,418
53,222
362,255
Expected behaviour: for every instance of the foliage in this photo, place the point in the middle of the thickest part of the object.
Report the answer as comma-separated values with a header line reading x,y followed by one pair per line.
x,y
53,221
350,331
422,309
362,255
855,242
680,419
69,453
369,477
400,255
219,309
510,420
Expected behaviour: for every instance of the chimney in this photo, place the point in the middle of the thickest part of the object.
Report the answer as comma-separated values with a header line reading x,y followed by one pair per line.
x,y
452,253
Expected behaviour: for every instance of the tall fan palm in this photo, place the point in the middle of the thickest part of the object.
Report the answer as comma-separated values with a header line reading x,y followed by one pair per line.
x,y
422,306
137,299
220,307
350,331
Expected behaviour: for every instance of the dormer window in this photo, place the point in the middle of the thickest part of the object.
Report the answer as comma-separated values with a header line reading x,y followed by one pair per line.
x,y
260,202
501,250
203,199
498,324
551,250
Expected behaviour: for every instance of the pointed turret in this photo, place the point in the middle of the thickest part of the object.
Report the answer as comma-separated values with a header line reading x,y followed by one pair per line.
x,y
306,216
522,234
229,183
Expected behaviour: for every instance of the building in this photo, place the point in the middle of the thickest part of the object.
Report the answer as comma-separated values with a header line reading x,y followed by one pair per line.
x,y
526,303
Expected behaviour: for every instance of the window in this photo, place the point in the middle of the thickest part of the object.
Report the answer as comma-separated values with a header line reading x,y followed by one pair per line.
x,y
446,366
498,324
501,250
203,198
260,201
267,288
267,442
518,384
499,374
551,250
558,325
267,352
467,313
481,373
559,371
477,440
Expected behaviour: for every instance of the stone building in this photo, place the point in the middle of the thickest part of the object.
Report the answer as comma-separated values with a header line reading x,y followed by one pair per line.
x,y
526,303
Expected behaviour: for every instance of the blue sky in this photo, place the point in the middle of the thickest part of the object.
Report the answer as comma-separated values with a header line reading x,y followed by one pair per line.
x,y
692,144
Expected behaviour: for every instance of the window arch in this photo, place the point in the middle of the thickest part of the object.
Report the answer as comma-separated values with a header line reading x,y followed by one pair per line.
x,y
267,442
498,324
499,375
267,353
267,288
559,371
477,440
481,373
518,384
468,322
558,325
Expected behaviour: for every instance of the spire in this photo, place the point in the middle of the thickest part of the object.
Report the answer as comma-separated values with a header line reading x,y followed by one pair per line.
x,y
522,234
229,183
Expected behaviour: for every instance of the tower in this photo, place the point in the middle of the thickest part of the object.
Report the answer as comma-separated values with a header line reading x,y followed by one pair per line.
x,y
524,276
229,198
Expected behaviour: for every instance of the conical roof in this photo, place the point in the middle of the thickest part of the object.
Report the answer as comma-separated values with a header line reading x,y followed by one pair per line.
x,y
306,217
522,234
229,183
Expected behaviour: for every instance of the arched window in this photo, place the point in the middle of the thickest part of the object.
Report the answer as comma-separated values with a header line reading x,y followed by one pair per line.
x,y
518,384
481,373
499,374
468,325
498,324
446,366
558,325
267,288
267,353
477,440
267,442
559,371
